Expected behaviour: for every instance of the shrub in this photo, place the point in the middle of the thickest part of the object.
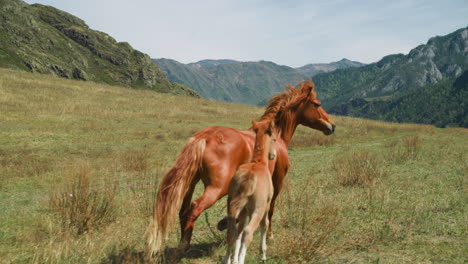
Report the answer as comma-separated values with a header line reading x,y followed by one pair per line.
x,y
81,206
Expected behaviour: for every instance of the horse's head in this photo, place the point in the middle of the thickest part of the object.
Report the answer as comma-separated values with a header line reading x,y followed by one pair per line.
x,y
265,136
311,113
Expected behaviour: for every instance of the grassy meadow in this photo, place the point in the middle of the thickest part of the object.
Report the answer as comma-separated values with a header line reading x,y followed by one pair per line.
x,y
80,163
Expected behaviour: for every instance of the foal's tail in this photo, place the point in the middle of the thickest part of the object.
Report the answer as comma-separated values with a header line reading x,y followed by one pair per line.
x,y
242,186
172,190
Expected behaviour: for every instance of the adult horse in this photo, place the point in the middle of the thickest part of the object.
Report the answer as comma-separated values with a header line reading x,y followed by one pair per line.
x,y
213,155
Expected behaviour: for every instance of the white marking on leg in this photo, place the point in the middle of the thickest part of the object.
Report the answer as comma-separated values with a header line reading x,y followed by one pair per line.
x,y
237,248
263,243
243,252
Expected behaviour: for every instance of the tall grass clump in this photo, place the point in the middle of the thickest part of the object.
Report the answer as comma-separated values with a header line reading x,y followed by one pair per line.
x,y
135,160
81,205
144,189
358,169
308,220
406,149
412,145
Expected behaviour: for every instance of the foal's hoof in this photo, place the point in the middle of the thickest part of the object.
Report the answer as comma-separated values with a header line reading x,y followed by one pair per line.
x,y
183,247
222,225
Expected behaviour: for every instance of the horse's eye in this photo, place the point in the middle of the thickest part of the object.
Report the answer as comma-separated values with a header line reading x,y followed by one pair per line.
x,y
317,103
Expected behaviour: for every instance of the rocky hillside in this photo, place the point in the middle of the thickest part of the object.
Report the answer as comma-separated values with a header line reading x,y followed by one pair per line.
x,y
43,39
316,68
349,91
241,82
212,63
442,104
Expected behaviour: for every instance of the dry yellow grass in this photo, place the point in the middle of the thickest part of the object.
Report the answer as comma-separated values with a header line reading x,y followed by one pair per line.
x,y
358,169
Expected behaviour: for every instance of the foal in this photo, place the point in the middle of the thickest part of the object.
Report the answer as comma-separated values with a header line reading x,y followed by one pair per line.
x,y
249,196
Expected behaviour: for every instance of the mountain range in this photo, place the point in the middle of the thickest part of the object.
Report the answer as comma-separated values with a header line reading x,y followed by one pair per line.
x,y
316,68
442,104
427,85
379,90
390,89
242,82
43,39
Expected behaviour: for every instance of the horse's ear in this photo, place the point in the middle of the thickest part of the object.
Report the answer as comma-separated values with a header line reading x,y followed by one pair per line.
x,y
312,95
312,85
308,86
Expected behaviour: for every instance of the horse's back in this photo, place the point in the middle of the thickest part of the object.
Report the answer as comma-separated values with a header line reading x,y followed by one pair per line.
x,y
226,149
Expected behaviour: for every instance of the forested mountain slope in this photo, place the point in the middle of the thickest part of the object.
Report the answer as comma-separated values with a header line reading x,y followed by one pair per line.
x,y
43,39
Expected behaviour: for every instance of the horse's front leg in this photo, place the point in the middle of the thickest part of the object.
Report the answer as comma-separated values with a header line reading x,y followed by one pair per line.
x,y
278,180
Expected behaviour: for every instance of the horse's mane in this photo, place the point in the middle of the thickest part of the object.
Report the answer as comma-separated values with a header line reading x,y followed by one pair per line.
x,y
292,96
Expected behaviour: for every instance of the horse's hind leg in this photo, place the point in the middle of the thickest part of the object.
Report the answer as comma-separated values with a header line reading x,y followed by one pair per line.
x,y
209,197
185,210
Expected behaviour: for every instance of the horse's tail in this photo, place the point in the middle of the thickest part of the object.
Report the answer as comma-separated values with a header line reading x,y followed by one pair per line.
x,y
172,190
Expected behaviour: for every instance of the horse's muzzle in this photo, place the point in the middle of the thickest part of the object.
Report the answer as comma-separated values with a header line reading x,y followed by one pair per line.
x,y
330,129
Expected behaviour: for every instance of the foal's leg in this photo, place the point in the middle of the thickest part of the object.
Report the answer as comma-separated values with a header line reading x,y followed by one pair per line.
x,y
248,232
209,197
240,231
233,237
232,234
263,242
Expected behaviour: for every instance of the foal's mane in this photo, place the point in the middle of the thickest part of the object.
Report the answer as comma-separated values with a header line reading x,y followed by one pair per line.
x,y
278,105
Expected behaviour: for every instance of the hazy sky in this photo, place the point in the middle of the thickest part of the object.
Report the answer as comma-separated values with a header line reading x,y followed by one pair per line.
x,y
292,33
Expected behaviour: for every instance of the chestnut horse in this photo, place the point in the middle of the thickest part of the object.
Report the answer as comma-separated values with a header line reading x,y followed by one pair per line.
x,y
249,196
213,155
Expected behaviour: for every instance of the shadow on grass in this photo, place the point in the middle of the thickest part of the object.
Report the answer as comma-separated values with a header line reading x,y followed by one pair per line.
x,y
126,255
171,255
201,250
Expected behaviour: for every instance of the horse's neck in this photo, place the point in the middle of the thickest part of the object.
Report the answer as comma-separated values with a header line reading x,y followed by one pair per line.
x,y
286,126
